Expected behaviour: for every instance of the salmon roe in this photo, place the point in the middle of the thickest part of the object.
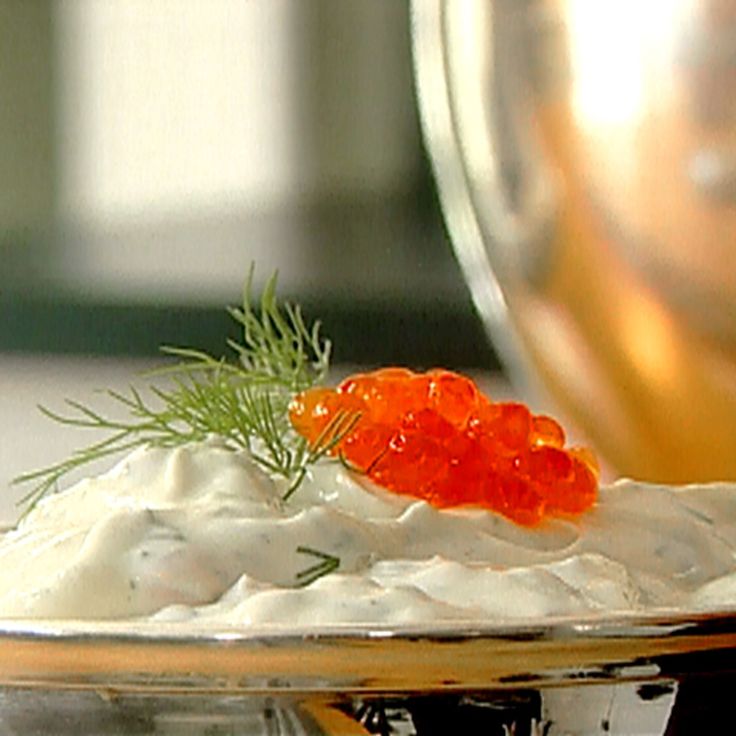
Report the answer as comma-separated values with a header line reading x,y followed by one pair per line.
x,y
435,436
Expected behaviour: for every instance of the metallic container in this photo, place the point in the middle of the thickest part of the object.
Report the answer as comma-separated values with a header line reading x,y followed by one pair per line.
x,y
650,675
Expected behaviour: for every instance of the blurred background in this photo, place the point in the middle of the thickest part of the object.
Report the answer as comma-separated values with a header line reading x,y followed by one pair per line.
x,y
584,155
150,151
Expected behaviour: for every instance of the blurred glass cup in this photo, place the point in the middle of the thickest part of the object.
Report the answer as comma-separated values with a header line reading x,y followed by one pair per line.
x,y
585,154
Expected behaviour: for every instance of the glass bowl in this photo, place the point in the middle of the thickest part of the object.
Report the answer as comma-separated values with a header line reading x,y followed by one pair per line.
x,y
585,156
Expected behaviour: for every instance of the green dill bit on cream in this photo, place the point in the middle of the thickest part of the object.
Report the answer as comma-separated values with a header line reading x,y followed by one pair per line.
x,y
244,400
326,563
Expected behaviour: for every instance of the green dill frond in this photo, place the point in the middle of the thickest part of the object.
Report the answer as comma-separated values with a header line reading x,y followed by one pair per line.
x,y
277,344
244,401
338,427
325,564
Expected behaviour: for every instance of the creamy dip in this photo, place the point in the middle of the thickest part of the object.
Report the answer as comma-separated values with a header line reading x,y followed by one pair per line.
x,y
199,534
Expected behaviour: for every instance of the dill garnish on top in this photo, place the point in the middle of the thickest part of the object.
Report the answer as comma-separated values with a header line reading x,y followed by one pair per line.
x,y
243,400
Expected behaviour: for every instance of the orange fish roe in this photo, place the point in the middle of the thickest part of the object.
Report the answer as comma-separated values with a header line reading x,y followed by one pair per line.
x,y
435,436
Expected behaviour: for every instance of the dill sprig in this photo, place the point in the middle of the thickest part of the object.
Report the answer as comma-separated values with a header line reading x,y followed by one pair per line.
x,y
244,400
326,563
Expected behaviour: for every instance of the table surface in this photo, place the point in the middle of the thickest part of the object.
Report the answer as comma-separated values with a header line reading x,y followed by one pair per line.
x,y
30,440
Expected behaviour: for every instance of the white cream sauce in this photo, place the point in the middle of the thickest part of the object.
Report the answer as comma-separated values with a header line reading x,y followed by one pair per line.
x,y
199,534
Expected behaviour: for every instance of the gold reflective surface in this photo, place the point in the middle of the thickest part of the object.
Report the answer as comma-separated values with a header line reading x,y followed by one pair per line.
x,y
133,657
596,145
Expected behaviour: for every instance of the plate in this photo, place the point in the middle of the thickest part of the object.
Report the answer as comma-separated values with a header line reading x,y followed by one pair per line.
x,y
354,681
